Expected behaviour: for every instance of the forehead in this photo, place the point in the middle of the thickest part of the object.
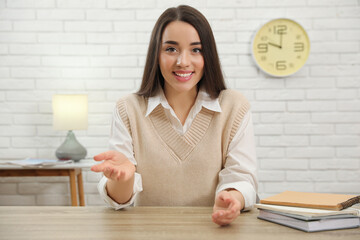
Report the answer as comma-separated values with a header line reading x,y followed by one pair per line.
x,y
180,32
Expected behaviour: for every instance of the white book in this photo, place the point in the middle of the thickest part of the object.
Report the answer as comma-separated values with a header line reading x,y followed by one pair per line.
x,y
310,212
312,225
33,162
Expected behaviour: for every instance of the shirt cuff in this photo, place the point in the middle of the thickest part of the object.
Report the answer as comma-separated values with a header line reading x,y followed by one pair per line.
x,y
246,189
110,202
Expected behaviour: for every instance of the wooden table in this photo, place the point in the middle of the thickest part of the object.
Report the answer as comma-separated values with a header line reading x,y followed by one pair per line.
x,y
145,223
72,170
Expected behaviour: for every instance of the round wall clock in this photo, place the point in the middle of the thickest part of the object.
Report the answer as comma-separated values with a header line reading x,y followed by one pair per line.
x,y
280,47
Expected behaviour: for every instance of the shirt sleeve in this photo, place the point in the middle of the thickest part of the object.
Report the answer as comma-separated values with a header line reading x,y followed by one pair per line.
x,y
121,141
240,170
110,202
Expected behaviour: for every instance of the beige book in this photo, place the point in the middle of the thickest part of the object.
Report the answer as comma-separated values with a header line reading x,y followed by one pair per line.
x,y
313,200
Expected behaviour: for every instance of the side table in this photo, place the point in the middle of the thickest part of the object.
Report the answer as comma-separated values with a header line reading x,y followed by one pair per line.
x,y
73,170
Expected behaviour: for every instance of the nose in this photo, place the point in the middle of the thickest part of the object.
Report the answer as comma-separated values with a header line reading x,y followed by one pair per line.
x,y
183,60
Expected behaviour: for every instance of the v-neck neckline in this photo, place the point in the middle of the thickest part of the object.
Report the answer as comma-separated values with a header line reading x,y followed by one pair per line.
x,y
181,145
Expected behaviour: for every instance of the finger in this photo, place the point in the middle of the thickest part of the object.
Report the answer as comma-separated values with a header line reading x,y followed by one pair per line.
x,y
226,214
221,214
108,172
230,200
104,156
235,207
227,197
120,175
101,167
98,167
220,200
227,217
226,203
231,205
218,214
223,196
231,214
220,220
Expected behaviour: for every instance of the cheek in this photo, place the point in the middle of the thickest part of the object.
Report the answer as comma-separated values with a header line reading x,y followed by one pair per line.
x,y
199,63
166,62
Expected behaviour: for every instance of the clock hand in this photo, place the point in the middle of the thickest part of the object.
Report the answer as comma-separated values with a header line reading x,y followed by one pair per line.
x,y
275,45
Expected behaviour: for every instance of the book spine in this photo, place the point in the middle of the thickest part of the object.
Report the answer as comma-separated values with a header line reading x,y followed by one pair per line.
x,y
350,202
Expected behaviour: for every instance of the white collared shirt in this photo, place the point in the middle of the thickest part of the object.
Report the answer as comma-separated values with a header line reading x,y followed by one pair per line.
x,y
240,161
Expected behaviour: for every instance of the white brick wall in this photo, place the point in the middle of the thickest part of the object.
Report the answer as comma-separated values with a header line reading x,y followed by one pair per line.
x,y
307,126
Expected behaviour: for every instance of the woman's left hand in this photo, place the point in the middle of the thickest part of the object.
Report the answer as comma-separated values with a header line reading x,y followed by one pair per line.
x,y
226,208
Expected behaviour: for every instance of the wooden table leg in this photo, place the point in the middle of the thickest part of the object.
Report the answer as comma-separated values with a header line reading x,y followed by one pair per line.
x,y
81,189
73,187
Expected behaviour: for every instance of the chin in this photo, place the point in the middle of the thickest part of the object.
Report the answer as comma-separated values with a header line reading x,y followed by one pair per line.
x,y
183,89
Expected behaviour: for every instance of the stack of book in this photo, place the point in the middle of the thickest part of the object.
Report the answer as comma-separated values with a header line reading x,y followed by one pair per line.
x,y
311,212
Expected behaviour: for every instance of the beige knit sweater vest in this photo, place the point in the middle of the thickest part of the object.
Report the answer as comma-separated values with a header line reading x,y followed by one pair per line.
x,y
181,170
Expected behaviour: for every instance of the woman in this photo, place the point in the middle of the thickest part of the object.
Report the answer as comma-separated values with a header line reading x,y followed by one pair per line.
x,y
182,139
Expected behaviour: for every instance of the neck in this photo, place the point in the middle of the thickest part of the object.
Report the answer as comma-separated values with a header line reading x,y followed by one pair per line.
x,y
181,102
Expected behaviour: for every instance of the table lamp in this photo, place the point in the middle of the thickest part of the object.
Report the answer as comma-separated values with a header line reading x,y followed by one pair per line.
x,y
70,112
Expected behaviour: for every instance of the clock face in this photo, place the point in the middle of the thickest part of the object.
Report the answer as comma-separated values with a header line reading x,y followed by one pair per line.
x,y
280,47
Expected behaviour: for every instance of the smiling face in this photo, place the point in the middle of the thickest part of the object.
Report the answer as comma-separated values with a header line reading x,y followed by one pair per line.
x,y
181,61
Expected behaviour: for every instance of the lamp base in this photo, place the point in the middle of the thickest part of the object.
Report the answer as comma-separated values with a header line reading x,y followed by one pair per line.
x,y
71,149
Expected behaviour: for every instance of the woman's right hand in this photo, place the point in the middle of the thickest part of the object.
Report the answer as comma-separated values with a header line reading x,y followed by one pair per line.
x,y
115,166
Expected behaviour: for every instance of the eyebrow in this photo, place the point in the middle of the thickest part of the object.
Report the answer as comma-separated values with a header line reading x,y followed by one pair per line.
x,y
176,43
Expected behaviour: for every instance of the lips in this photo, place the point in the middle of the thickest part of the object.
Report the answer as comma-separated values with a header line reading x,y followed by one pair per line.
x,y
183,76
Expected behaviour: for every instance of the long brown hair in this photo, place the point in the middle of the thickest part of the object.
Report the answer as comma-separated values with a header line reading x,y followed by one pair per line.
x,y
212,80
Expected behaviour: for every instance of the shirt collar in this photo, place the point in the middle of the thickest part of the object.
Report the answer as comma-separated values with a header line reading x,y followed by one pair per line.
x,y
202,100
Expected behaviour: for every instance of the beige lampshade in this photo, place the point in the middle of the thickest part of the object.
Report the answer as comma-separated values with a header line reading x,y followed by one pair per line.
x,y
70,111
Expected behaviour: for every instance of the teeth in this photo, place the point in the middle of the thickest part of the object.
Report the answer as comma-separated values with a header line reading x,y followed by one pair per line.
x,y
183,75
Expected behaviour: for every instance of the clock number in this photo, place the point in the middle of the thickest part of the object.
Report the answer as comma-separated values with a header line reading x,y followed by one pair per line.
x,y
298,47
280,29
281,65
263,47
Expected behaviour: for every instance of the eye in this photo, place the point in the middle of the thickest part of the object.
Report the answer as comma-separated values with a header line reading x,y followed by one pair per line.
x,y
170,49
197,50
